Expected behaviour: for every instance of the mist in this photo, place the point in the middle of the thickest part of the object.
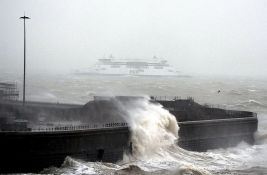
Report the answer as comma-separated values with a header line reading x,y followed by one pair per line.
x,y
197,37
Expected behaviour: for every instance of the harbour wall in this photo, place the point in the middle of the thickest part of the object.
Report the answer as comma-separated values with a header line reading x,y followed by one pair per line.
x,y
33,151
220,133
201,128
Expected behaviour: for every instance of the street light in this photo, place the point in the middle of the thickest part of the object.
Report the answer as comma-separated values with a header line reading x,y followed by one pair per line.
x,y
24,75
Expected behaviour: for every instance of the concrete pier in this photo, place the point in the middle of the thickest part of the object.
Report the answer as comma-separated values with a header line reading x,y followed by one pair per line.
x,y
220,133
33,151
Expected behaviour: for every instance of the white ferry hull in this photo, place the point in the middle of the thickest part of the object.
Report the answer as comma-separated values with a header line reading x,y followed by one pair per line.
x,y
131,72
115,67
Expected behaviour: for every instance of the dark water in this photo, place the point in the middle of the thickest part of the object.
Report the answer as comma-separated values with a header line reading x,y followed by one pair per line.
x,y
235,93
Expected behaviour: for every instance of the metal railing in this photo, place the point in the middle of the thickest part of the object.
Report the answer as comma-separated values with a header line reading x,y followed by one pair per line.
x,y
79,127
165,98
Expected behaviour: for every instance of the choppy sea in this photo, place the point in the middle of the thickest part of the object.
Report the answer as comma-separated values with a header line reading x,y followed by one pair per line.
x,y
165,158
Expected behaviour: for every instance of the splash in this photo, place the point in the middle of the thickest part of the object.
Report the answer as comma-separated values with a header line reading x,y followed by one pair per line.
x,y
153,128
261,135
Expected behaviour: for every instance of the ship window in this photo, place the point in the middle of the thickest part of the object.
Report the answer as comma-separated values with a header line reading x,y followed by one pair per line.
x,y
100,154
129,66
158,67
115,66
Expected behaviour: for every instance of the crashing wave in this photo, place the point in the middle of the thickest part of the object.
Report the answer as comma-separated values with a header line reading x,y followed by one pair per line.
x,y
153,128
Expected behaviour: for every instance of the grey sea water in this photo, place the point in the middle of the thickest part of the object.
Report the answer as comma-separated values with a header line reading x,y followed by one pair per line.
x,y
235,93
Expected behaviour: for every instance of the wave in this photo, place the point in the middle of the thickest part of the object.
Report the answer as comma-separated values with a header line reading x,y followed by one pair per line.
x,y
235,92
252,90
71,166
183,170
176,161
250,103
261,135
153,128
261,138
254,102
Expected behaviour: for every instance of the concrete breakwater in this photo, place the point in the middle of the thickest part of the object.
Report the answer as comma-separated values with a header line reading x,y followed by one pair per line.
x,y
220,133
28,150
33,151
203,127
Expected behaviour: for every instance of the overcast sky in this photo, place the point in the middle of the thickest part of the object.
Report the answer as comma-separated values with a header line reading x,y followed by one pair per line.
x,y
202,36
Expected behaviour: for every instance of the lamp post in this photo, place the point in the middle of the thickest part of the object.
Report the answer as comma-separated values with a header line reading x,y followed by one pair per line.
x,y
24,75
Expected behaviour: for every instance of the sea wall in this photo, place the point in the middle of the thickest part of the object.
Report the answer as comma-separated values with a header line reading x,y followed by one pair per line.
x,y
33,151
220,133
201,128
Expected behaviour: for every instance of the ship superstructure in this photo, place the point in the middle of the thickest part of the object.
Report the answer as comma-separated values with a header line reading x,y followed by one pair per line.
x,y
137,67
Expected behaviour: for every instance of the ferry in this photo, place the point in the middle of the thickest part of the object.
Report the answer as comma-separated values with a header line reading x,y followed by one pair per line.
x,y
136,67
